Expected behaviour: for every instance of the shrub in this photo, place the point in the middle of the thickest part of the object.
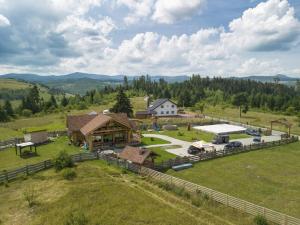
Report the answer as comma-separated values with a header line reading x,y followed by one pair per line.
x,y
27,113
260,220
30,196
69,174
180,133
63,160
76,218
152,139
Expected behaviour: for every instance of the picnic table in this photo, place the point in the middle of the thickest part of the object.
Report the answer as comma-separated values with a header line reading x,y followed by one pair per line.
x,y
20,146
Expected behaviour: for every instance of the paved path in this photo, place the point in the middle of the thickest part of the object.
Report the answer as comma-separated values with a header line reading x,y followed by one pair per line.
x,y
182,151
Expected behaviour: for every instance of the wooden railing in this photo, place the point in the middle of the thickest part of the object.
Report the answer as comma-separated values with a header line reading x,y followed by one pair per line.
x,y
222,198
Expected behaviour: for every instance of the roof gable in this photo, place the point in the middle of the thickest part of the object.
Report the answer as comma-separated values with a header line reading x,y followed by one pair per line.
x,y
101,120
135,154
159,102
75,123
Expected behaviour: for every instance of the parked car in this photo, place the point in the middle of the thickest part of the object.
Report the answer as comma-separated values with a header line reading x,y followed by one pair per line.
x,y
200,147
257,138
221,139
233,144
252,132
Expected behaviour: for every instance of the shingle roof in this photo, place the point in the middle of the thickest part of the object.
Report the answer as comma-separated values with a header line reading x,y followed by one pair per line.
x,y
157,103
101,120
75,123
135,154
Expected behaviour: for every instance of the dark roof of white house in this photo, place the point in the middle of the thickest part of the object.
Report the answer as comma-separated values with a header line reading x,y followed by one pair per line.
x,y
158,102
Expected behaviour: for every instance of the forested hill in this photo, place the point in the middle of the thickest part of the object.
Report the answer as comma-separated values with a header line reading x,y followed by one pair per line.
x,y
245,93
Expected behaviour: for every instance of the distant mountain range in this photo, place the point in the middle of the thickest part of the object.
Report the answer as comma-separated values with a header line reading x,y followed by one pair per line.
x,y
280,77
79,83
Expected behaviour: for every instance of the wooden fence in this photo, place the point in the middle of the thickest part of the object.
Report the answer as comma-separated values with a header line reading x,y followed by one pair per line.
x,y
8,175
225,199
217,154
222,198
12,142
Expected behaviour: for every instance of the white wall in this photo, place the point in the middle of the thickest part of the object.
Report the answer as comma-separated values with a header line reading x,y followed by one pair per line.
x,y
166,109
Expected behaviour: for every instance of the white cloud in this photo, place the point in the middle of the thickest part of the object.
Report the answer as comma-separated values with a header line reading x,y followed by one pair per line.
x,y
168,12
269,26
139,9
259,67
4,22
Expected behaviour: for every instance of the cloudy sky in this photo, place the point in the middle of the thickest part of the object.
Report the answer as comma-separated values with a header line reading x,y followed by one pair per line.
x,y
168,37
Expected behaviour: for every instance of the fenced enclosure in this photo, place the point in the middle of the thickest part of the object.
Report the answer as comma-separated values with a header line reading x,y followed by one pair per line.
x,y
222,198
217,154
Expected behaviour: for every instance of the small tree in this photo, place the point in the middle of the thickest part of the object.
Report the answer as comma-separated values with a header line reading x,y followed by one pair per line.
x,y
3,115
76,218
123,104
8,108
240,100
64,101
30,196
62,161
200,106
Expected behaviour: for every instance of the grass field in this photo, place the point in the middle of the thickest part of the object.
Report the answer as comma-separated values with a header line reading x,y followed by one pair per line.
x,y
105,195
267,177
261,119
153,141
13,84
163,155
9,159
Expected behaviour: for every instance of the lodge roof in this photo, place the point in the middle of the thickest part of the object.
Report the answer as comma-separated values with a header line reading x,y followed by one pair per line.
x,y
101,120
159,102
135,154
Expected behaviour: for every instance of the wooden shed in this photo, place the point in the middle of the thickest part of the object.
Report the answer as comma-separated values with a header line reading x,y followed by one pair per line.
x,y
36,137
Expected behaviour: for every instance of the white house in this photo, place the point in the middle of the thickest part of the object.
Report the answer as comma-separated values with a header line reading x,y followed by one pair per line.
x,y
163,107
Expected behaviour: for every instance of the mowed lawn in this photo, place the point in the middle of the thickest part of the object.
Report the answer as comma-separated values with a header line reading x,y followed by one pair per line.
x,y
102,194
269,177
153,141
195,135
162,154
9,160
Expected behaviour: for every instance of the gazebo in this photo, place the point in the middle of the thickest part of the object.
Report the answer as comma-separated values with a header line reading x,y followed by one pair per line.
x,y
284,122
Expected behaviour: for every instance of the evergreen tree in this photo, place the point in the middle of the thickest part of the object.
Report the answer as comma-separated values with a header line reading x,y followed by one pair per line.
x,y
122,104
97,98
8,108
64,101
3,115
125,83
240,100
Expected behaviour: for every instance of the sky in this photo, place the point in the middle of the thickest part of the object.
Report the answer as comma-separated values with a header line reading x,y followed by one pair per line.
x,y
156,37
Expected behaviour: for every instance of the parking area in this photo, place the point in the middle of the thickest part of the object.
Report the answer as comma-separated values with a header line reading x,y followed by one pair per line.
x,y
182,151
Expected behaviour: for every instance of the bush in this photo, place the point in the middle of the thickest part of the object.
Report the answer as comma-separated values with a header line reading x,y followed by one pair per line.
x,y
260,220
30,196
63,160
76,218
152,139
180,133
26,113
69,174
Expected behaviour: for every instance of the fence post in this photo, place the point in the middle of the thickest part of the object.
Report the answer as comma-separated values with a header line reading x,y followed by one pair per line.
x,y
45,164
27,170
6,175
80,157
227,200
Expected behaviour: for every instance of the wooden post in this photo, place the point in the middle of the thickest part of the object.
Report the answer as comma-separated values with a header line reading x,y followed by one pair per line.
x,y
45,164
227,200
6,175
27,170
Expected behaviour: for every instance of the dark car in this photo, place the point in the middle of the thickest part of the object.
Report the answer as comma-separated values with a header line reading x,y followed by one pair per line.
x,y
233,144
193,150
252,132
257,138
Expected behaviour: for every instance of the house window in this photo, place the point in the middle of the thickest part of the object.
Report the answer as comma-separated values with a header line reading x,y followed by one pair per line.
x,y
162,106
173,106
162,112
172,112
167,112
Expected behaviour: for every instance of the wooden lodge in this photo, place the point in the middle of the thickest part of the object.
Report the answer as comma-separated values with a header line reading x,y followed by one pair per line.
x,y
101,131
